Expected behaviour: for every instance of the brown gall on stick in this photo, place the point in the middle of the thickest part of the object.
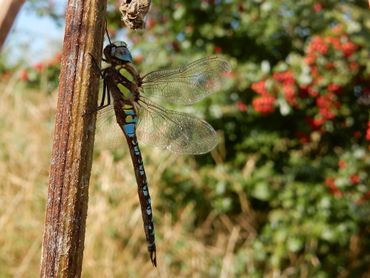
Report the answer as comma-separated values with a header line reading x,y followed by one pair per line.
x,y
134,12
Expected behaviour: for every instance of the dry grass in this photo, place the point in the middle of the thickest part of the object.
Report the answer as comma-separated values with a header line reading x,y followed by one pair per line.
x,y
115,245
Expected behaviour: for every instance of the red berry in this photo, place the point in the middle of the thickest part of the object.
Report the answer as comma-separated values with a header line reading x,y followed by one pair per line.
x,y
355,179
260,87
242,107
218,49
290,95
317,7
23,75
39,67
342,164
264,104
368,134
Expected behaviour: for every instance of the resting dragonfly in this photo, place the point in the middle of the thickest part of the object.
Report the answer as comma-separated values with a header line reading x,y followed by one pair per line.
x,y
141,118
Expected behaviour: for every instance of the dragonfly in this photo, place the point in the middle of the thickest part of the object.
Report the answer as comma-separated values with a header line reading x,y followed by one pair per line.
x,y
141,119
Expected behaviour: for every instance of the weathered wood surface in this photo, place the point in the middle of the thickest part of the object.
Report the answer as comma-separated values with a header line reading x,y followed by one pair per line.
x,y
66,211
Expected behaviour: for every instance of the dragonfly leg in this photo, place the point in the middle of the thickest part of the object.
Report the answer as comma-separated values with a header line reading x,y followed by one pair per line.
x,y
106,92
96,67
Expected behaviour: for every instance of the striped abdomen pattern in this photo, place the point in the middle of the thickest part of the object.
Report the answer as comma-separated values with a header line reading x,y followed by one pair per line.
x,y
129,127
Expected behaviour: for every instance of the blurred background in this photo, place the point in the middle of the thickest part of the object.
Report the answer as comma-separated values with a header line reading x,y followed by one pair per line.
x,y
286,193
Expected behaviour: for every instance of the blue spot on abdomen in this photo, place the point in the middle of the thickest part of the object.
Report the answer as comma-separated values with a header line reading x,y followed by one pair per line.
x,y
129,129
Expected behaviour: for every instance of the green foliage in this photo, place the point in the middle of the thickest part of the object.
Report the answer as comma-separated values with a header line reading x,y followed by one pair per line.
x,y
295,127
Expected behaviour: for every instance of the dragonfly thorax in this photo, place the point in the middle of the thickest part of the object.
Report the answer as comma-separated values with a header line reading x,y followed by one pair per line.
x,y
117,53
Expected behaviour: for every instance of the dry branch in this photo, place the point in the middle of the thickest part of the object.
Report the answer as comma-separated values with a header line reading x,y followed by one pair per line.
x,y
8,12
66,211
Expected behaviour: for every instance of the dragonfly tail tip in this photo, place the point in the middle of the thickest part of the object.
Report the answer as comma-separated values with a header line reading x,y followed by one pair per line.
x,y
153,257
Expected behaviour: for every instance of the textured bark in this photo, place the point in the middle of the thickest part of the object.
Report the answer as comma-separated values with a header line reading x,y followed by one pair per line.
x,y
8,12
66,211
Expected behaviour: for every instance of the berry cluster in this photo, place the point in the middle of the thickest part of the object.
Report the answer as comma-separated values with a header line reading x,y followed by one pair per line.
x,y
333,95
32,74
265,103
350,178
332,65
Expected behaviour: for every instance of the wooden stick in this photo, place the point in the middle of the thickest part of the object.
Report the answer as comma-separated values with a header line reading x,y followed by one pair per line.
x,y
8,12
71,160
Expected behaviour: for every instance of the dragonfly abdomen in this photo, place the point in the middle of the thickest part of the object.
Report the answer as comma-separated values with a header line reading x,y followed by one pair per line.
x,y
130,121
128,124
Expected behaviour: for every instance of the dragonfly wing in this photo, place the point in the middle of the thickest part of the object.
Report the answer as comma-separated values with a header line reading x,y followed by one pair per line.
x,y
186,84
174,131
108,132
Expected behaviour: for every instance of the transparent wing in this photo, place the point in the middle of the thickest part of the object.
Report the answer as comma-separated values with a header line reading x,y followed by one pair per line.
x,y
186,84
108,133
174,131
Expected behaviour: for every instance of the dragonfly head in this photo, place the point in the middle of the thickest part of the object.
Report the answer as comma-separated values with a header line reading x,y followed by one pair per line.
x,y
117,52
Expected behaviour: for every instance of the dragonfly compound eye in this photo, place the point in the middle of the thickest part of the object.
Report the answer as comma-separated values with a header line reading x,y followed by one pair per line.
x,y
120,44
122,53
